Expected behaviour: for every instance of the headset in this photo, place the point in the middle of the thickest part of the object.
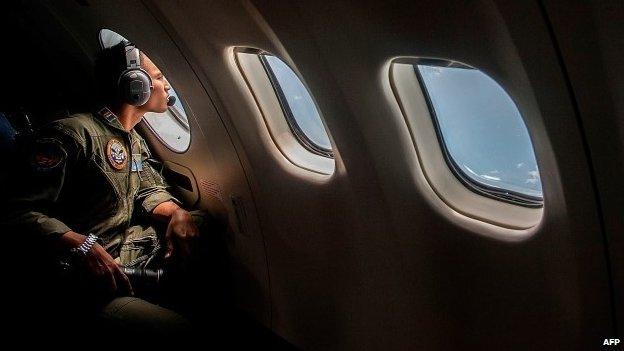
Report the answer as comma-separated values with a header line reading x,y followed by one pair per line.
x,y
134,84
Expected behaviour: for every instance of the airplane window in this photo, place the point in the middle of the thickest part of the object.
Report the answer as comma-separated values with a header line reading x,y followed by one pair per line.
x,y
172,126
485,140
299,108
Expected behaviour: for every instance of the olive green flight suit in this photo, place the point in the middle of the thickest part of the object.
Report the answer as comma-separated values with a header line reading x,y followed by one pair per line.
x,y
89,175
92,176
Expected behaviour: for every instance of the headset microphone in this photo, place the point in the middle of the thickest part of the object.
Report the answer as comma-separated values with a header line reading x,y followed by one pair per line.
x,y
171,100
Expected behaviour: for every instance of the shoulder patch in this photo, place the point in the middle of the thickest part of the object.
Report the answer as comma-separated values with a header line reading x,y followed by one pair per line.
x,y
116,154
48,154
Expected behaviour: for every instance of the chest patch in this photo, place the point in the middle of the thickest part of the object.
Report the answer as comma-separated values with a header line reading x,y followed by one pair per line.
x,y
137,163
117,154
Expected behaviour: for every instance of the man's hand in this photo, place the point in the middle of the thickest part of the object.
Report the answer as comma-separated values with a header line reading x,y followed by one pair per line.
x,y
100,265
182,233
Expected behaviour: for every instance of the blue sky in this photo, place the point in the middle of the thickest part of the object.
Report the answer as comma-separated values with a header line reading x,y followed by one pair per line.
x,y
300,102
483,129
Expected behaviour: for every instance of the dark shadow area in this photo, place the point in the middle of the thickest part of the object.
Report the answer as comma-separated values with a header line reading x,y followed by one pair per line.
x,y
46,77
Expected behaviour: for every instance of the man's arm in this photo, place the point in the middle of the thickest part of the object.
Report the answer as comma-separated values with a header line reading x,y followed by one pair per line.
x,y
181,231
155,201
99,263
164,211
48,161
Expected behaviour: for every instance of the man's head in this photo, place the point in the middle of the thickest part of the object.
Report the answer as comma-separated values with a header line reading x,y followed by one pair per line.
x,y
160,87
109,66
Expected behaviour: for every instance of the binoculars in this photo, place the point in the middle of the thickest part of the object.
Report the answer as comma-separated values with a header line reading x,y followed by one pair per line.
x,y
144,275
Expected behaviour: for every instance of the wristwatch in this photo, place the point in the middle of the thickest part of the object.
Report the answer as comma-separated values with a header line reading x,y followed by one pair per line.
x,y
86,245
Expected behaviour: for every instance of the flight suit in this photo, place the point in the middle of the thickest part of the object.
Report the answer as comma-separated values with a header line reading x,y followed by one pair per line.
x,y
92,176
89,175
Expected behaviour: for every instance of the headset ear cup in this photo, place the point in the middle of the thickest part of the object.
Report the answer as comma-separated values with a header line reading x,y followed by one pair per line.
x,y
135,87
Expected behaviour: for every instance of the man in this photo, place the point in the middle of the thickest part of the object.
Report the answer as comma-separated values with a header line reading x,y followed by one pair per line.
x,y
95,193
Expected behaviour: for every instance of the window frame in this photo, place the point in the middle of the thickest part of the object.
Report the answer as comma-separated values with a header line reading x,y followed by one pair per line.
x,y
299,134
500,194
176,118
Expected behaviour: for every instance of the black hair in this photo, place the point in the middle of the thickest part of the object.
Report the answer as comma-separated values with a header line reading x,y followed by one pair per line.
x,y
109,64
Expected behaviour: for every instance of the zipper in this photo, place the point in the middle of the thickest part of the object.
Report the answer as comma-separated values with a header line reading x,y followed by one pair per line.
x,y
129,181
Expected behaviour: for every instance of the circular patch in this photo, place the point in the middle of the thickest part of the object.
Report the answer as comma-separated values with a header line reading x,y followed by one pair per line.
x,y
117,154
47,160
48,155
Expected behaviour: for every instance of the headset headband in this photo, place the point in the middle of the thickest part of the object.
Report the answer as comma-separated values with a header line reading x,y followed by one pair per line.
x,y
133,57
134,83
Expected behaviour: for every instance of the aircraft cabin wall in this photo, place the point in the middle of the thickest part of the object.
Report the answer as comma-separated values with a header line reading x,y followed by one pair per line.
x,y
368,257
591,45
371,254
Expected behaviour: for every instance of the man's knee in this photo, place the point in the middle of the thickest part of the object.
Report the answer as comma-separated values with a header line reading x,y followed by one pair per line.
x,y
137,317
